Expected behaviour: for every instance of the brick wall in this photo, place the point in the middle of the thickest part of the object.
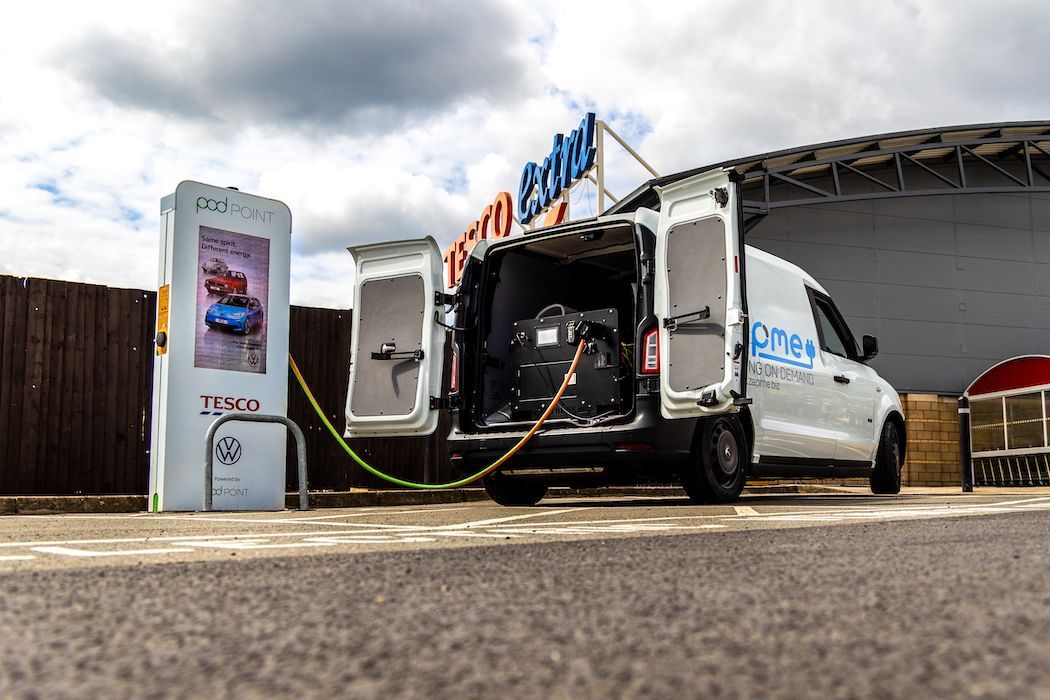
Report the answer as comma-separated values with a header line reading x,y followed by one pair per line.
x,y
933,440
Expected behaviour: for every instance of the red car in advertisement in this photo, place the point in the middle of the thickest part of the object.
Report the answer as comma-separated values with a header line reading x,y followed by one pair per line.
x,y
233,282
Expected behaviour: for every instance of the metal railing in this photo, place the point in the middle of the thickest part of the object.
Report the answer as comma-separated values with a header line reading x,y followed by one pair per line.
x,y
300,452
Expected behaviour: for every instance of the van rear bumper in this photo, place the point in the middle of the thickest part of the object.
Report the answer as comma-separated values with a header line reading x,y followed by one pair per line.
x,y
648,445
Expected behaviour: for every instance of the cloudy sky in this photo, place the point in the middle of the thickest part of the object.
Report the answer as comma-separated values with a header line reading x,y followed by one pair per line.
x,y
394,119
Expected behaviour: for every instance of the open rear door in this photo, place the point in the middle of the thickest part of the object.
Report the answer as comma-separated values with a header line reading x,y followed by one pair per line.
x,y
699,296
396,341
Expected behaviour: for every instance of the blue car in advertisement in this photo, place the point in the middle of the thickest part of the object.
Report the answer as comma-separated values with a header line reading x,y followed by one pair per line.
x,y
235,312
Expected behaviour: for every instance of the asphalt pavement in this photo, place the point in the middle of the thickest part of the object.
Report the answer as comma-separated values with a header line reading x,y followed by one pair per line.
x,y
793,596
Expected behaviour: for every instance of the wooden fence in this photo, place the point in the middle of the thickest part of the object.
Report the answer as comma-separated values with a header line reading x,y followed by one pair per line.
x,y
76,371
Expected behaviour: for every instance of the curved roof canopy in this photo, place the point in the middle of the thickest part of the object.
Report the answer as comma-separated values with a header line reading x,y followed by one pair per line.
x,y
1013,375
1005,157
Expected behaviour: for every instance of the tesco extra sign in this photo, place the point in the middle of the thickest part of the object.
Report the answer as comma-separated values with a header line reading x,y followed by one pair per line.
x,y
570,158
495,222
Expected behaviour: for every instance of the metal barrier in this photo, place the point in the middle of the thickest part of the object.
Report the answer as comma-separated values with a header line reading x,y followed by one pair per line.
x,y
300,452
1012,470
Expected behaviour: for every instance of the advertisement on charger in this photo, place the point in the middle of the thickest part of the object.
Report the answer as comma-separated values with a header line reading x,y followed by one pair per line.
x,y
233,273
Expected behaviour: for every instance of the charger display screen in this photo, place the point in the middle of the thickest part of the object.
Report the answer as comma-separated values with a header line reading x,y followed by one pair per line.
x,y
546,337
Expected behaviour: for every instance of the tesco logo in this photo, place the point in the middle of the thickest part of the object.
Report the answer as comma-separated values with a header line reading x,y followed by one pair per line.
x,y
230,403
494,222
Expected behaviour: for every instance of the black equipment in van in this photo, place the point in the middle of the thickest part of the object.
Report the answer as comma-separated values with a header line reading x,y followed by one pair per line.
x,y
541,353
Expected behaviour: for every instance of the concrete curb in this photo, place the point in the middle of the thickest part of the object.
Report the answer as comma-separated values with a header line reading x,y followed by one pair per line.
x,y
48,505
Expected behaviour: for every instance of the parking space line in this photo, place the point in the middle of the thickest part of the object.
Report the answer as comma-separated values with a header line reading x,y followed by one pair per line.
x,y
69,552
493,521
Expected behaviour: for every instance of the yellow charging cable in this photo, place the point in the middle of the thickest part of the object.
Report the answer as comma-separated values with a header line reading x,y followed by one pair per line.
x,y
452,484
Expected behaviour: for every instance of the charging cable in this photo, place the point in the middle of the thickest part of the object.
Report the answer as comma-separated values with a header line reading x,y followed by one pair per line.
x,y
452,484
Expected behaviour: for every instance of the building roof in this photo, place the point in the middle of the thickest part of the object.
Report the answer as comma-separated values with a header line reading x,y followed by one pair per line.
x,y
983,144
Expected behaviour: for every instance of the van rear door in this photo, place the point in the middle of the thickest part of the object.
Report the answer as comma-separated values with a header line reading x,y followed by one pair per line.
x,y
698,296
396,340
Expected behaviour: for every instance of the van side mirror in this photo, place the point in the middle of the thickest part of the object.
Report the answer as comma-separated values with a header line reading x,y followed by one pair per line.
x,y
871,347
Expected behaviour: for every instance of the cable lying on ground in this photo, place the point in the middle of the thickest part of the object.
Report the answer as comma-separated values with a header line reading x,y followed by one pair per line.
x,y
452,484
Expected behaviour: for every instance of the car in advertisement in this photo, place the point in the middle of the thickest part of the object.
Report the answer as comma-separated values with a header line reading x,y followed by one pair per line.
x,y
215,266
231,282
235,312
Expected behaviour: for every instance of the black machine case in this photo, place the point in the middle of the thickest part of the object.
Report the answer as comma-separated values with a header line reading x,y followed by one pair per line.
x,y
541,352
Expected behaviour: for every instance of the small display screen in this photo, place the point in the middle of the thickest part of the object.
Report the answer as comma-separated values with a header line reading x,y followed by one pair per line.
x,y
545,337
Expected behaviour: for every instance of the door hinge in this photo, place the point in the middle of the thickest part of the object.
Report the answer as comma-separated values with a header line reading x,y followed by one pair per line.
x,y
721,195
707,399
648,267
445,402
740,399
443,299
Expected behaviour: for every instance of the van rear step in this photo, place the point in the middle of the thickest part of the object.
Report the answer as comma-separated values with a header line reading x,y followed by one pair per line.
x,y
547,471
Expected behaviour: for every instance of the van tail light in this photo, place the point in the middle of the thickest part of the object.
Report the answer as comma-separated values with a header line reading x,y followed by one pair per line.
x,y
454,381
651,352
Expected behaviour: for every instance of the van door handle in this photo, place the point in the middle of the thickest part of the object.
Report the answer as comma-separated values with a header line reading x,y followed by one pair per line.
x,y
842,379
672,322
388,351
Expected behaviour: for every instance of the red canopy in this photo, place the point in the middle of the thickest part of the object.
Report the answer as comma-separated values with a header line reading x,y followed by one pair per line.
x,y
1017,373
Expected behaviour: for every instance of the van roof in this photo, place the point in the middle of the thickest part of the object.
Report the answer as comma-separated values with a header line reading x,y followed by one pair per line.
x,y
784,266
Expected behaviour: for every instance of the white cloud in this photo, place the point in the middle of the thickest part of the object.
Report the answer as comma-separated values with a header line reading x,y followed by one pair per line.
x,y
688,83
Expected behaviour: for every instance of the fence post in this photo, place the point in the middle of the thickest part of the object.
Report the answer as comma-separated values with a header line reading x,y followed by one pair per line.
x,y
300,452
965,460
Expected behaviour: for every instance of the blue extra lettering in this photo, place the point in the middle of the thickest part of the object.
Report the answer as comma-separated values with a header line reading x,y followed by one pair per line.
x,y
570,158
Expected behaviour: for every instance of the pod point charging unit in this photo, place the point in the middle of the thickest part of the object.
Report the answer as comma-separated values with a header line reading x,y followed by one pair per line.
x,y
221,347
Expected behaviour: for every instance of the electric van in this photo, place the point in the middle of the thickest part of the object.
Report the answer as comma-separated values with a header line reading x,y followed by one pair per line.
x,y
704,360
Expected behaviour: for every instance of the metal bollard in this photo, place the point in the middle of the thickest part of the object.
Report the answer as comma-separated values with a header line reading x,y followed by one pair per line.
x,y
300,452
965,461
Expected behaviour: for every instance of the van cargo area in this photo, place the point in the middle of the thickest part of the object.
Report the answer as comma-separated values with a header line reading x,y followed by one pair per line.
x,y
535,297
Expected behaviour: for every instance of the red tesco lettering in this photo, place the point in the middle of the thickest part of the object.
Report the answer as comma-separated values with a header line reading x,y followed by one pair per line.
x,y
494,222
230,403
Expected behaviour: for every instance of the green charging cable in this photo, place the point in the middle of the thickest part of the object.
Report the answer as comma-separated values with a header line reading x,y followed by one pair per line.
x,y
452,484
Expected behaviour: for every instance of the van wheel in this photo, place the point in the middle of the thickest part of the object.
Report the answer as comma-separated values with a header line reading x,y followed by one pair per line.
x,y
887,475
718,466
511,492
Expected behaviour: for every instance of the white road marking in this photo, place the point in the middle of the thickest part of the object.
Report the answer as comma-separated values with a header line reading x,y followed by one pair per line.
x,y
70,552
180,538
598,529
373,533
493,521
469,533
367,539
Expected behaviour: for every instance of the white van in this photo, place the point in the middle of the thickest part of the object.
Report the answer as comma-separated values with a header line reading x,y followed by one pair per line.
x,y
706,360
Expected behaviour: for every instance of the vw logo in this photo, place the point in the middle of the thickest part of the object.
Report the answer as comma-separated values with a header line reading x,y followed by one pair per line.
x,y
253,360
228,450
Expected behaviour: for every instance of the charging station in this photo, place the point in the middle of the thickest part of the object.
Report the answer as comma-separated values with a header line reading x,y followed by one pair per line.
x,y
221,347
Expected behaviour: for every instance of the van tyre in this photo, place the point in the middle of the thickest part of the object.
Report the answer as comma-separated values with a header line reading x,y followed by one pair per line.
x,y
887,475
512,492
718,466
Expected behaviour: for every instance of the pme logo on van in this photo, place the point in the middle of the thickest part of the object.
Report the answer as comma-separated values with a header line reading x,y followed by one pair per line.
x,y
778,345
